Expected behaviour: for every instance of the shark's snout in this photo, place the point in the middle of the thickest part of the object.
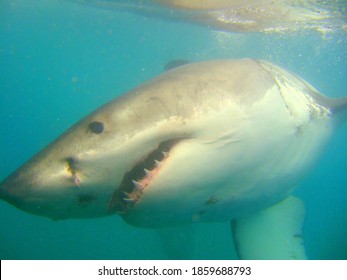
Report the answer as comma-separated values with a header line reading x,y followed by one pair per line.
x,y
62,185
18,191
41,188
12,188
56,197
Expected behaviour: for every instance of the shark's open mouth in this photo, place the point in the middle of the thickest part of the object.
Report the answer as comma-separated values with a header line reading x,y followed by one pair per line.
x,y
140,176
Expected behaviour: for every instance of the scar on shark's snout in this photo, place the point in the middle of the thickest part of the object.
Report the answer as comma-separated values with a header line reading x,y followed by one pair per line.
x,y
140,176
72,169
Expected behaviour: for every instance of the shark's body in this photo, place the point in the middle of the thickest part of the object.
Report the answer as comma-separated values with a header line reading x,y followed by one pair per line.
x,y
208,141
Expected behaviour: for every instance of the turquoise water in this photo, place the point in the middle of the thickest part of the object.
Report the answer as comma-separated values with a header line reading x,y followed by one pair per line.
x,y
59,61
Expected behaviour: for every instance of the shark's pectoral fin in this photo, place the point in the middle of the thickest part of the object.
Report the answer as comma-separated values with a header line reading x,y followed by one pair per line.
x,y
274,233
178,242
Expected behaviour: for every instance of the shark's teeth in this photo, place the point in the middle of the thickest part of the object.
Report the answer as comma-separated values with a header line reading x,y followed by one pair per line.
x,y
127,195
131,200
165,154
148,173
138,186
134,182
131,197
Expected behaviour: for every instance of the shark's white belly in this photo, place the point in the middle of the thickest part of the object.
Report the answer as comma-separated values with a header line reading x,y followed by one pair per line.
x,y
241,160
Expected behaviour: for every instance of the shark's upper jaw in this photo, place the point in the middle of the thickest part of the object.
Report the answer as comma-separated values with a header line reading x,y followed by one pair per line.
x,y
140,176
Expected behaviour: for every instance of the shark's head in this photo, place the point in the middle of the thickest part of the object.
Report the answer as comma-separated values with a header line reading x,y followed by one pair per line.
x,y
191,145
101,165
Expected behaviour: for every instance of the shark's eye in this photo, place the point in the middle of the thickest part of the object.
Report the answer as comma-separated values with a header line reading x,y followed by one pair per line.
x,y
96,127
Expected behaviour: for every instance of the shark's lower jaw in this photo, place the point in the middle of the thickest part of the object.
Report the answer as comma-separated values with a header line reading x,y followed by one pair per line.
x,y
140,176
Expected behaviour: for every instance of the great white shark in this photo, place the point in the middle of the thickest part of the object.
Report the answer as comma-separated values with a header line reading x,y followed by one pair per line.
x,y
220,140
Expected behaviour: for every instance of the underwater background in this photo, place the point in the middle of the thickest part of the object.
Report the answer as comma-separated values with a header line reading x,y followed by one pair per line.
x,y
60,60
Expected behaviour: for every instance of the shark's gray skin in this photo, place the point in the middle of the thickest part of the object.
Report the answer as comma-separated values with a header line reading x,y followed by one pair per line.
x,y
204,142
